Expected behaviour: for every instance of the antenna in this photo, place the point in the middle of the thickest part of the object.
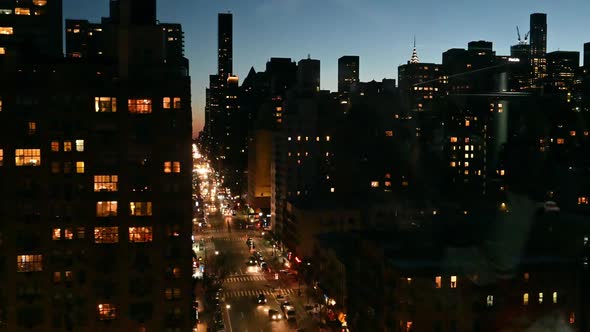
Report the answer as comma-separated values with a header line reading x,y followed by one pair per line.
x,y
518,33
414,41
308,56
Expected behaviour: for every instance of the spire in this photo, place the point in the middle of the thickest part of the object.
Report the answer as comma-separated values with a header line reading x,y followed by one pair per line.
x,y
414,58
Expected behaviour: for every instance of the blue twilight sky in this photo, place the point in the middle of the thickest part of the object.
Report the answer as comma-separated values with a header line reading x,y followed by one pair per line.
x,y
379,31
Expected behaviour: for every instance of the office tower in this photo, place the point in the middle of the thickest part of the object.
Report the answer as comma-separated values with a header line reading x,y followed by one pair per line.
x,y
562,68
586,55
134,12
225,46
174,41
420,83
84,39
348,72
538,49
31,28
96,208
470,69
308,74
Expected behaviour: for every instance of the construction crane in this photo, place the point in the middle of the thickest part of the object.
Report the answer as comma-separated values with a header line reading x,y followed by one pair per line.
x,y
526,37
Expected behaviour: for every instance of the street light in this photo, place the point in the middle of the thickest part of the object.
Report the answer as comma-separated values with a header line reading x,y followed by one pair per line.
x,y
273,249
228,306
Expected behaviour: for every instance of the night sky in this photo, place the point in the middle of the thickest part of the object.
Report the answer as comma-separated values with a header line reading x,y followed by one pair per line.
x,y
379,31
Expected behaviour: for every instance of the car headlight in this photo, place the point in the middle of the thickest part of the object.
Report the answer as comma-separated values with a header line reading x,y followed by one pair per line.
x,y
280,316
274,316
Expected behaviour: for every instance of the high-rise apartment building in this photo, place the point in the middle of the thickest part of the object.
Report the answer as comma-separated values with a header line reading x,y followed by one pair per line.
x,y
562,70
95,186
224,45
348,72
538,49
29,28
586,55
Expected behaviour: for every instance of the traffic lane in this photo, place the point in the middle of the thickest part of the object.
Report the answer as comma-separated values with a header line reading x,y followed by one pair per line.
x,y
247,315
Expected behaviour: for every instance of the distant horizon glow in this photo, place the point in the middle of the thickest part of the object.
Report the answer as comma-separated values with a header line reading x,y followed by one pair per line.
x,y
380,32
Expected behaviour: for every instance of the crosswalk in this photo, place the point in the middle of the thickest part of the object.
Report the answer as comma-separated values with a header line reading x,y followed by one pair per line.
x,y
245,278
254,293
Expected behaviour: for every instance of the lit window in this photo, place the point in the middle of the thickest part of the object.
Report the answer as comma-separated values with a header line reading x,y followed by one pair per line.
x,y
166,103
466,164
107,311
57,277
541,298
67,146
81,232
39,2
438,282
5,11
80,145
466,147
68,234
0,104
69,276
105,104
6,31
388,183
106,182
2,52
106,234
140,106
176,167
55,167
22,11
490,300
29,263
327,138
27,157
140,234
389,133
560,141
1,157
172,293
502,172
375,184
140,209
332,189
583,200
31,128
453,139
453,164
106,209
453,281
56,234
572,133
177,103
79,167
167,167
467,156
572,317
299,138
467,123
554,297
54,146
525,298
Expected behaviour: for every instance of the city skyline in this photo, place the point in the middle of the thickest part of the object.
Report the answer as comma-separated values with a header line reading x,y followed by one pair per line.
x,y
361,28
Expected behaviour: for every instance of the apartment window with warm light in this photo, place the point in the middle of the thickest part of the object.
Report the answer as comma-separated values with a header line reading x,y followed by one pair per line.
x,y
2,52
1,98
572,318
560,141
167,167
1,157
467,123
27,157
332,189
80,145
525,298
554,297
57,277
453,281
140,234
438,282
453,164
105,104
68,234
389,133
5,11
22,11
79,167
176,103
67,146
388,183
106,209
54,146
56,234
572,133
39,2
176,167
106,183
583,200
375,184
167,103
172,293
526,276
106,234
453,139
490,300
140,209
6,31
107,311
29,263
139,106
31,128
540,298
327,138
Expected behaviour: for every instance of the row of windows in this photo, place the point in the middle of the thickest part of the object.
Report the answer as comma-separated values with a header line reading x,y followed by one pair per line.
x,y
109,209
140,106
56,167
111,234
328,138
67,146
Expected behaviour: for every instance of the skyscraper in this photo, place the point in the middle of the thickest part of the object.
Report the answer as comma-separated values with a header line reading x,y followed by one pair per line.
x,y
308,74
538,49
348,72
225,46
586,55
95,196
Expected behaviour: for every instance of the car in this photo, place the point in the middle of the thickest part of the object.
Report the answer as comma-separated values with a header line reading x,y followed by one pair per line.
x,y
218,317
261,299
274,315
290,313
251,262
285,304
